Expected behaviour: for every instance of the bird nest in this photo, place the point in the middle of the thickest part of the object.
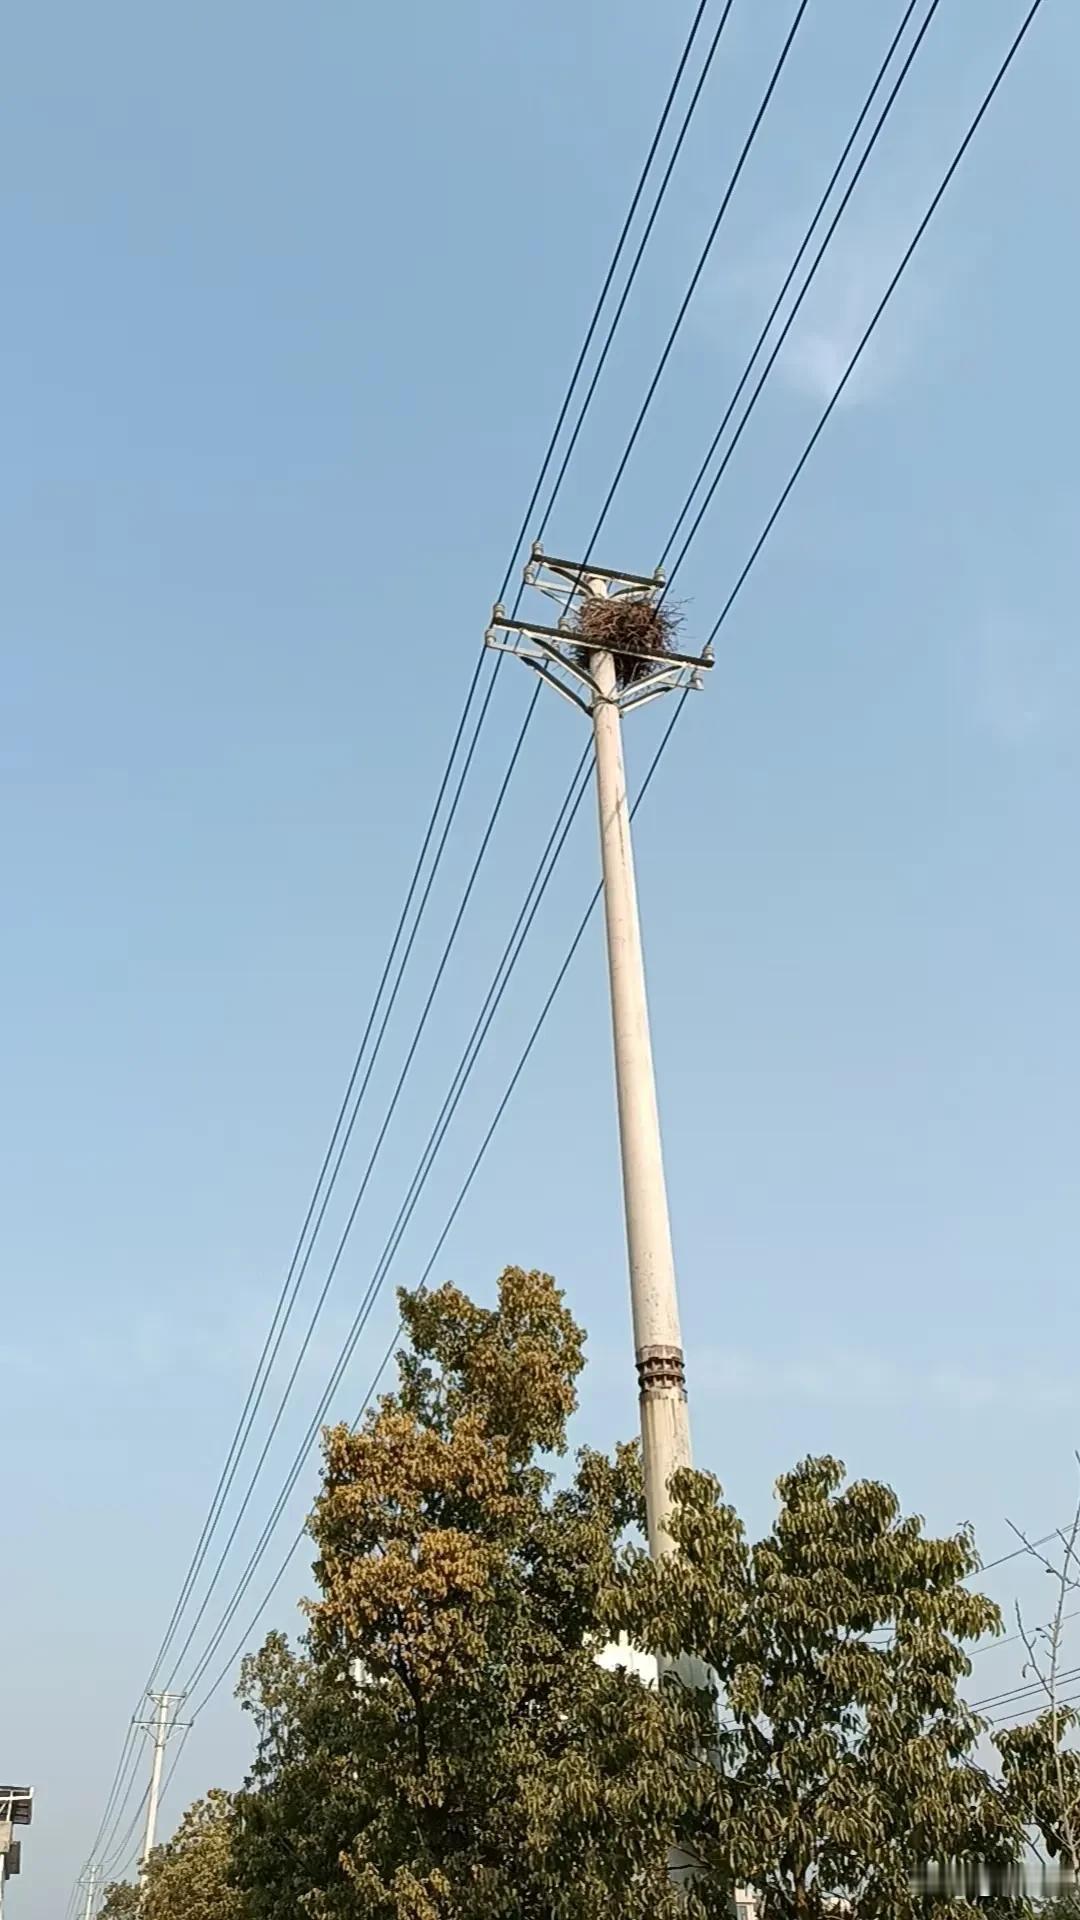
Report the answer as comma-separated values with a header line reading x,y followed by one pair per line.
x,y
636,630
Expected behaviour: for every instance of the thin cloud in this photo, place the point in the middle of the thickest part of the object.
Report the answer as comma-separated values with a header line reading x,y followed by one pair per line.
x,y
149,1348
1023,678
857,267
842,300
867,1379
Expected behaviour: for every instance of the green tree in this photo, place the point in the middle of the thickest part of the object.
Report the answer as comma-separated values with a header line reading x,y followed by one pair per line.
x,y
449,1748
190,1877
1042,1776
843,1756
120,1902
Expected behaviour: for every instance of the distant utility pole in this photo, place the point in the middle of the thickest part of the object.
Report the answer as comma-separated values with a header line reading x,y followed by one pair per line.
x,y
159,1728
91,1889
607,682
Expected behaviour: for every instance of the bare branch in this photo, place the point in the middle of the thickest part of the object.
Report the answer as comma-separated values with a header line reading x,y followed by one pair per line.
x,y
1048,1673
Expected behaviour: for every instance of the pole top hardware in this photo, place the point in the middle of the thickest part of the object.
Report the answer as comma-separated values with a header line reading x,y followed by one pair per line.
x,y
562,655
580,568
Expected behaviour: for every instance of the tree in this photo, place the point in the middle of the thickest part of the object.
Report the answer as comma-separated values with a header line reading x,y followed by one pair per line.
x,y
121,1902
1042,1772
190,1877
843,1761
448,1748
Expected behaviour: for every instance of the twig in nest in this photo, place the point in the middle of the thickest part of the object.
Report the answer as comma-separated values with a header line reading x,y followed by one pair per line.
x,y
631,627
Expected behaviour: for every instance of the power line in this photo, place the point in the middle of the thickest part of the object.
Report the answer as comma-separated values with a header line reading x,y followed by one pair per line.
x,y
521,737
245,1637
526,522
879,310
130,1739
684,305
320,1302
500,981
792,270
695,277
724,204
642,244
1010,1639
288,1291
1018,1693
107,1849
1044,1539
832,403
297,1268
458,1202
110,1867
1022,1713
937,198
293,1277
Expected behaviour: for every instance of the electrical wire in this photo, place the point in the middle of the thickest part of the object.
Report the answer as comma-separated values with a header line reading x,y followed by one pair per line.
x,y
776,512
298,1266
294,1278
500,981
178,1660
279,1576
699,269
388,1115
288,1291
1010,1639
684,306
110,1868
674,331
1019,1693
805,288
1022,1713
934,203
463,1191
879,310
642,244
108,1847
606,288
130,1739
1044,1539
123,1872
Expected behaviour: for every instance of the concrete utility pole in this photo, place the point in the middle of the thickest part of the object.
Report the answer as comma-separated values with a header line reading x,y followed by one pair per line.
x,y
91,1889
555,653
159,1729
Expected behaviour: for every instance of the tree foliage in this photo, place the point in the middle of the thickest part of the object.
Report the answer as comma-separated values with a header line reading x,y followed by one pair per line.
x,y
120,1902
842,1761
1043,1777
449,1748
445,1746
190,1877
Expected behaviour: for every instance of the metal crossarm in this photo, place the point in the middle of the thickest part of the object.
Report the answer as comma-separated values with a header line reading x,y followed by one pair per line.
x,y
569,660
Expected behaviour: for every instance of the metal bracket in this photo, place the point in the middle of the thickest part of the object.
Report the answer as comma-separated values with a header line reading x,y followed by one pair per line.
x,y
576,570
552,651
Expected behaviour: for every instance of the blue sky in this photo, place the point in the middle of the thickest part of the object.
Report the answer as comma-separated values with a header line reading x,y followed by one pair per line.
x,y
291,301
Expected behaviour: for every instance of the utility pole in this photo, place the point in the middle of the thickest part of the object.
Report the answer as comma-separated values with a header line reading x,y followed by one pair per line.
x,y
159,1729
91,1889
597,680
